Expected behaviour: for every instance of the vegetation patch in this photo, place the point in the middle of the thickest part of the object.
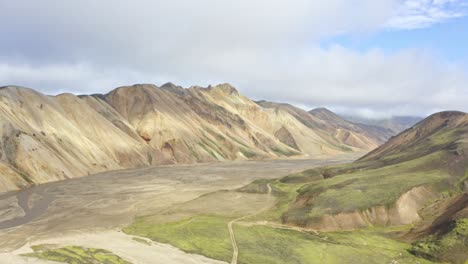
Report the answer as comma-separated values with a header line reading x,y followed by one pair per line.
x,y
257,186
76,255
247,153
283,152
209,151
263,244
364,189
209,236
206,235
285,195
451,247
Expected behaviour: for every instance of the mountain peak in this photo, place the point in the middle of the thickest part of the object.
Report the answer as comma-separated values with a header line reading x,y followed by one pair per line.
x,y
321,109
169,85
173,88
15,89
447,114
444,119
225,88
324,114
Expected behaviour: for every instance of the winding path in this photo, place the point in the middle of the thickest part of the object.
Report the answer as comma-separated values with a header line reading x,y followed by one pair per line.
x,y
235,249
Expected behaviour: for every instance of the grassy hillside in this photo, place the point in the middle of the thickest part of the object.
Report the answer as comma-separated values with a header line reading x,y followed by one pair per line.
x,y
257,243
433,155
205,234
451,246
363,189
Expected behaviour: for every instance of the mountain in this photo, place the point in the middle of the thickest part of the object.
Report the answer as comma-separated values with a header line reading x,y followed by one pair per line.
x,y
47,138
338,123
392,184
441,131
341,135
396,124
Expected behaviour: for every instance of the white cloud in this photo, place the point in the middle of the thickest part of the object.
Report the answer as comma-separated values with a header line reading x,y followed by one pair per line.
x,y
268,49
413,14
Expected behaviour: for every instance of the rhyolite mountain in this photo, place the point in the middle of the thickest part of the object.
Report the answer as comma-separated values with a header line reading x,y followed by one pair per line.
x,y
343,127
46,138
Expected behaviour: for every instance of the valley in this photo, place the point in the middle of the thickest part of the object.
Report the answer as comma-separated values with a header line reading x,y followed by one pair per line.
x,y
234,132
95,208
206,175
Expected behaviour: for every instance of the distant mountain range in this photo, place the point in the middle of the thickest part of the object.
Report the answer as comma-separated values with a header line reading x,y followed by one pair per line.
x,y
395,124
47,138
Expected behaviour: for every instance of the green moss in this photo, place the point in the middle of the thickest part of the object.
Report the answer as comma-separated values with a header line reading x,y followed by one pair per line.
x,y
209,151
214,146
216,134
237,141
209,236
247,153
451,247
25,177
461,182
262,244
76,255
150,158
194,153
205,235
283,152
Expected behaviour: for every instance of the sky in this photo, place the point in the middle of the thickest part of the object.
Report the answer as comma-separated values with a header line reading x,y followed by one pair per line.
x,y
357,57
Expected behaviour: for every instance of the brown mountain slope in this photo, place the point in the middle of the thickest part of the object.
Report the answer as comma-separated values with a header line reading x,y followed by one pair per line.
x,y
48,138
378,134
336,131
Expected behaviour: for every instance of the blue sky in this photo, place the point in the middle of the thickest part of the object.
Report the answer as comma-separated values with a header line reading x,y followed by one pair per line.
x,y
363,57
448,41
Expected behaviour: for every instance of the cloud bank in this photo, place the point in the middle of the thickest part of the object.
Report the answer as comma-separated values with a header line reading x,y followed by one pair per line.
x,y
267,49
414,14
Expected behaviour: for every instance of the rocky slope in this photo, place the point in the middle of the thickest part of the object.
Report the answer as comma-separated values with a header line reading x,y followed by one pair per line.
x,y
48,138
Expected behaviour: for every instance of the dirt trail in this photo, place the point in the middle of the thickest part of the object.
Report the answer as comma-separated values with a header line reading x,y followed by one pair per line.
x,y
235,250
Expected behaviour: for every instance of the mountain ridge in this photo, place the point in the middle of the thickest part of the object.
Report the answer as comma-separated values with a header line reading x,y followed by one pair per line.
x,y
54,137
395,124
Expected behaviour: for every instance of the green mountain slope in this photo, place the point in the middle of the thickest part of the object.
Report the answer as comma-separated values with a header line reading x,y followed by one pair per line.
x,y
418,177
390,184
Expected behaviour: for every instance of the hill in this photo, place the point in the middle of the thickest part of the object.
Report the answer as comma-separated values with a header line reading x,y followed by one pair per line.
x,y
47,138
418,177
389,185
